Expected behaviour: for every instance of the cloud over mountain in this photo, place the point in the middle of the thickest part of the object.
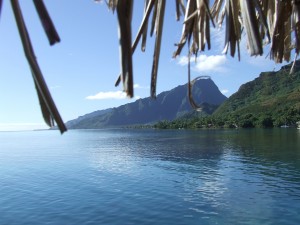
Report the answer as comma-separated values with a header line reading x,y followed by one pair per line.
x,y
204,63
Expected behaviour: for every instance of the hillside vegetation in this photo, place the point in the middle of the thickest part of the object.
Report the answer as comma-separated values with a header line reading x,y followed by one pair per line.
x,y
271,100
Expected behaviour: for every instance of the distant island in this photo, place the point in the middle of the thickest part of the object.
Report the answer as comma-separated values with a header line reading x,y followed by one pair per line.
x,y
168,105
270,100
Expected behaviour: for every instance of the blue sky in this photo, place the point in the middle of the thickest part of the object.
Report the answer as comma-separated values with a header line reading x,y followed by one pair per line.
x,y
81,70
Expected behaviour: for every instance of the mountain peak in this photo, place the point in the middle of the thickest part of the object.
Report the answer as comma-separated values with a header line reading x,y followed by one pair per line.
x,y
168,105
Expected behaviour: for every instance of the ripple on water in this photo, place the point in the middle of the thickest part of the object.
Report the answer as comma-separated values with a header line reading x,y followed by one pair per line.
x,y
147,177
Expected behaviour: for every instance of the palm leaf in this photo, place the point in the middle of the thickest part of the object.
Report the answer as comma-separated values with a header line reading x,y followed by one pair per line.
x,y
46,22
180,9
124,13
251,27
159,28
49,110
140,32
144,35
0,7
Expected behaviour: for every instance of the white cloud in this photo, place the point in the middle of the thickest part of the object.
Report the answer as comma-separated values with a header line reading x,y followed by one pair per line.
x,y
114,94
204,63
183,60
107,95
117,95
224,91
137,86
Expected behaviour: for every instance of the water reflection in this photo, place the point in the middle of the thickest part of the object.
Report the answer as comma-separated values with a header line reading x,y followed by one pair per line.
x,y
220,176
151,177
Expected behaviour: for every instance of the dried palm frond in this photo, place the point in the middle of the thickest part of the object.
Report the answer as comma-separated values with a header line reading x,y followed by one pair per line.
x,y
281,39
187,28
112,4
144,24
140,32
233,28
249,20
190,86
196,25
158,8
124,13
46,22
144,35
159,21
0,7
48,107
261,7
216,10
240,15
180,9
202,34
296,24
273,20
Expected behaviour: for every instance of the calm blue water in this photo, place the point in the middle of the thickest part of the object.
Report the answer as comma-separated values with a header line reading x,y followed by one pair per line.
x,y
150,177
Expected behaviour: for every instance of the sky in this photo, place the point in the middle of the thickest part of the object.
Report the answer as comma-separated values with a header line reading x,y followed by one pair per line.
x,y
81,70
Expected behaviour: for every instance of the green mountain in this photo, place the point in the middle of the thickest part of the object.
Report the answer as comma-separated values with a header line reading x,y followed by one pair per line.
x,y
168,105
272,99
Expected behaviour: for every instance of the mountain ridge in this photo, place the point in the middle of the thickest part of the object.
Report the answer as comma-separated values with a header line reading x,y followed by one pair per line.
x,y
168,105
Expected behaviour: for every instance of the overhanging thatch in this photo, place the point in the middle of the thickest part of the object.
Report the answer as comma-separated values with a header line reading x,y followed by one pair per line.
x,y
274,22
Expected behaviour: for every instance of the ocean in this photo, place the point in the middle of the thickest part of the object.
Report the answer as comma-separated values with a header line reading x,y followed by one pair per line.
x,y
148,176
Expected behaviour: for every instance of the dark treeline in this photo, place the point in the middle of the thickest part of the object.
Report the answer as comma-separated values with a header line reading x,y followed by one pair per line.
x,y
287,116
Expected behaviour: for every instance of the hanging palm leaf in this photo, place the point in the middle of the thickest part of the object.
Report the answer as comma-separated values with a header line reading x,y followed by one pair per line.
x,y
49,110
46,22
124,12
0,7
159,21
